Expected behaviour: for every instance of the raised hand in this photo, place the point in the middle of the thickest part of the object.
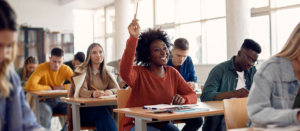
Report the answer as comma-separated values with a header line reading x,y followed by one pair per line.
x,y
134,27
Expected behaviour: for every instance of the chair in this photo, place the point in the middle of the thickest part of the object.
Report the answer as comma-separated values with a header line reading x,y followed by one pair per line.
x,y
82,127
235,113
201,88
122,98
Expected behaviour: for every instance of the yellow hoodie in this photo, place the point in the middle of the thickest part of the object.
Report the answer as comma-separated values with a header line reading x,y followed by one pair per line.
x,y
43,77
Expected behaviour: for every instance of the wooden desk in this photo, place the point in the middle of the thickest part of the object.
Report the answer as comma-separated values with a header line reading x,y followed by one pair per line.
x,y
243,129
142,116
76,103
40,94
198,94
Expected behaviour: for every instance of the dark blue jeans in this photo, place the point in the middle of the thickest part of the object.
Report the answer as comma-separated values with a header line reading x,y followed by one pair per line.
x,y
48,107
99,116
192,124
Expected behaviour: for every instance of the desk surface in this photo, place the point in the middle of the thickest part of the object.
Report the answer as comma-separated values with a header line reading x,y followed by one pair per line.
x,y
42,93
198,93
88,100
215,108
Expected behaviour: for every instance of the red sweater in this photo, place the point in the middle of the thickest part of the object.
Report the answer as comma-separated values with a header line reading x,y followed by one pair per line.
x,y
148,89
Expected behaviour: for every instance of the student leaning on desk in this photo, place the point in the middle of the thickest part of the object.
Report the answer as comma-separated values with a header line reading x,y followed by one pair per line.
x,y
91,80
152,82
15,114
230,79
50,76
275,94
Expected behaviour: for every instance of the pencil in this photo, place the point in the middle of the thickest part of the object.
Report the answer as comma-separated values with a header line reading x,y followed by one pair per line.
x,y
137,5
94,87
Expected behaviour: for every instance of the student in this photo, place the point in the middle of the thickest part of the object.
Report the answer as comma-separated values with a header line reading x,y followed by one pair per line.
x,y
152,82
15,114
29,66
184,65
275,95
50,76
230,79
94,73
78,60
116,66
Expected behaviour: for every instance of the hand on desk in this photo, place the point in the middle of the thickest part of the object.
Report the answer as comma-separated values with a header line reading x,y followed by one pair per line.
x,y
98,93
240,93
177,100
61,87
108,92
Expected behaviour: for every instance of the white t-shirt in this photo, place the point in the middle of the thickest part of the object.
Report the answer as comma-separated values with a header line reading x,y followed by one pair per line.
x,y
241,80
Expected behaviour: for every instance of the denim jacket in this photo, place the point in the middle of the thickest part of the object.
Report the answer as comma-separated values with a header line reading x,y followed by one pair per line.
x,y
273,93
15,114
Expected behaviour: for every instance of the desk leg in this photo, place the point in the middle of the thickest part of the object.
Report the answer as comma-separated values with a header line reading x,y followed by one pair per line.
x,y
36,105
76,117
140,124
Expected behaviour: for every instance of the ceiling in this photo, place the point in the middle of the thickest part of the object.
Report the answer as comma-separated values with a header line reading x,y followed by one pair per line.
x,y
85,4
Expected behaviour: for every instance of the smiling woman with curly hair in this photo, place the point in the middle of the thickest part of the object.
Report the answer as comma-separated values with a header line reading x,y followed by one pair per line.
x,y
152,82
145,40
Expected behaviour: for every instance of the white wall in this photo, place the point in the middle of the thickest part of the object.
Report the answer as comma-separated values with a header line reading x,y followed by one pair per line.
x,y
202,72
44,13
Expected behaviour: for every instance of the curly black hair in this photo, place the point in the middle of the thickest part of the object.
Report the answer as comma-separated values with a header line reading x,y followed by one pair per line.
x,y
144,42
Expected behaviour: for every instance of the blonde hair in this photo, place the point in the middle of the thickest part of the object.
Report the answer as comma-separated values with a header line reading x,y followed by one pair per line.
x,y
29,60
5,69
291,49
87,64
7,22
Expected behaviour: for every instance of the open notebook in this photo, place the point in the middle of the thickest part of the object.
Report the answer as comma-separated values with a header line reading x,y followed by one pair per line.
x,y
107,97
57,91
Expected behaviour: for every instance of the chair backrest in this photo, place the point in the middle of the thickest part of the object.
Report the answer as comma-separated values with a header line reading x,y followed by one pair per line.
x,y
122,98
201,88
235,113
68,89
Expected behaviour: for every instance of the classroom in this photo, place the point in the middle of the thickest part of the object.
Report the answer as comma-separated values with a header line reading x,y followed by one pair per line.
x,y
149,65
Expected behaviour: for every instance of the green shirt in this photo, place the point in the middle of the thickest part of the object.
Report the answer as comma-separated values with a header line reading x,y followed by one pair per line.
x,y
20,73
222,78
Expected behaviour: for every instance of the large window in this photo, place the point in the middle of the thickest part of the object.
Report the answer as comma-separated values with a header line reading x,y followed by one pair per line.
x,y
272,23
201,22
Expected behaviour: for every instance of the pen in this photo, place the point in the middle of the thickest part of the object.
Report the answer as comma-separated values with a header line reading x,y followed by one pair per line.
x,y
94,87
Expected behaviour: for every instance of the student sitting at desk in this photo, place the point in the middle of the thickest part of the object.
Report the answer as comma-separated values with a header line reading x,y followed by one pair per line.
x,y
29,66
91,80
152,82
230,79
274,97
15,114
50,76
184,65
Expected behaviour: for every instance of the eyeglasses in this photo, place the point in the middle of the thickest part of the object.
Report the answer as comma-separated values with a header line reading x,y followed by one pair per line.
x,y
250,60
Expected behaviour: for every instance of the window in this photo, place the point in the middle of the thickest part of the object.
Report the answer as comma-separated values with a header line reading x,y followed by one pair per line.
x,y
99,23
281,3
216,40
259,3
165,11
110,19
145,14
171,33
109,49
189,10
260,32
286,22
83,29
215,8
192,32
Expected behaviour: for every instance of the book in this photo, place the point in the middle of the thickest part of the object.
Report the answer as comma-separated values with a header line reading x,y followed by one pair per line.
x,y
107,97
